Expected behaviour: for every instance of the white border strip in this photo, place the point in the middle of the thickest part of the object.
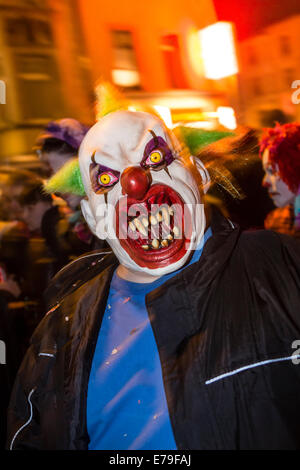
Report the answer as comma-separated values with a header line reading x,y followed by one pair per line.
x,y
232,225
46,354
250,366
27,422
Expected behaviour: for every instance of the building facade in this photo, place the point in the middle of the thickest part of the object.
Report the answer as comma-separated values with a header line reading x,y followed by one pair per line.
x,y
35,64
54,52
155,41
270,65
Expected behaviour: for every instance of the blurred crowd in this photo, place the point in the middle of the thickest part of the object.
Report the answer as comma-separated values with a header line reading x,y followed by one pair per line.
x,y
256,184
39,234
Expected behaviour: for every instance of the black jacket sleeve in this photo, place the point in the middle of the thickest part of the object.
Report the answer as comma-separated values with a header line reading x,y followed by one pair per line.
x,y
33,397
22,418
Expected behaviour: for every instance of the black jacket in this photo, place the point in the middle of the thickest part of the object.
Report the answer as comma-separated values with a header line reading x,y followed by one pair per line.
x,y
225,328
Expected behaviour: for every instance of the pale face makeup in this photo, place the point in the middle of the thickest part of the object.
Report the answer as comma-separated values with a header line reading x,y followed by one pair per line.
x,y
54,160
153,228
278,189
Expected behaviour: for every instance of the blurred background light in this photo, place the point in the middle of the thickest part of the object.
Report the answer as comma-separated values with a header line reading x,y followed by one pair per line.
x,y
165,113
125,78
226,116
218,50
207,125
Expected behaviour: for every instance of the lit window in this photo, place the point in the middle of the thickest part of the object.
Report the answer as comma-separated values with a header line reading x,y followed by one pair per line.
x,y
218,50
226,116
125,70
28,32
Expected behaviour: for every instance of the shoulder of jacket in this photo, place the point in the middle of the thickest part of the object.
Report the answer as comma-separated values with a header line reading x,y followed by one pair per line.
x,y
81,262
268,243
75,274
258,237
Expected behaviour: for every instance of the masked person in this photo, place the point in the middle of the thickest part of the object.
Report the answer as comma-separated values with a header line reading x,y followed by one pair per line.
x,y
59,142
57,145
280,153
183,337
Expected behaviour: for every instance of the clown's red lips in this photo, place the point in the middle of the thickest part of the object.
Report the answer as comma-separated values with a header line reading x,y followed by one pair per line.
x,y
155,231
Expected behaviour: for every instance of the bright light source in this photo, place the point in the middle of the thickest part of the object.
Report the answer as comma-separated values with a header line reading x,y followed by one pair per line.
x,y
226,116
126,78
165,114
218,50
201,125
210,114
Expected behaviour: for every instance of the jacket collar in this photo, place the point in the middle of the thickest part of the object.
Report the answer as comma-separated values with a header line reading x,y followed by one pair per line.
x,y
173,302
216,252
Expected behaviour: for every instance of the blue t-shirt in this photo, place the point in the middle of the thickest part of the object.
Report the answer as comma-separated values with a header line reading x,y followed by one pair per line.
x,y
126,402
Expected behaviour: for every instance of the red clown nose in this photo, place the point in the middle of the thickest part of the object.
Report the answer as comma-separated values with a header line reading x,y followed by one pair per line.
x,y
135,182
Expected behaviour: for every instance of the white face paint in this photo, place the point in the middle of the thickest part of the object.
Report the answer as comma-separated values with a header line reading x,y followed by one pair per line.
x,y
278,189
143,238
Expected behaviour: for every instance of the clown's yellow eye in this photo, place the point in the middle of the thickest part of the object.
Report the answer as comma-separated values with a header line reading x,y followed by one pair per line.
x,y
104,178
107,179
155,157
155,160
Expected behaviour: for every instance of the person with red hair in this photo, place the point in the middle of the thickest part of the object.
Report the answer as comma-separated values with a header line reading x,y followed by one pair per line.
x,y
280,153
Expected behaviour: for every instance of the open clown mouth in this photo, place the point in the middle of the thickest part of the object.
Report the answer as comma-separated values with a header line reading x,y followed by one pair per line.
x,y
155,232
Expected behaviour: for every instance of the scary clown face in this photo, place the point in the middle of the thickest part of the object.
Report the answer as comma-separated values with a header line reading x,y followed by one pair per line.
x,y
143,196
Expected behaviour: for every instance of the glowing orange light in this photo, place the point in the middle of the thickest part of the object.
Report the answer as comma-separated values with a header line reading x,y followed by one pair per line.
x,y
227,117
126,78
218,50
165,114
201,125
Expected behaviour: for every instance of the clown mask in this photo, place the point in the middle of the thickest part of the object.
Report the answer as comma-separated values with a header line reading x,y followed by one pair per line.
x,y
143,196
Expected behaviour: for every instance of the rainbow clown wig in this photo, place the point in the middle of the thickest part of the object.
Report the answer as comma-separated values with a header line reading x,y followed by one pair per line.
x,y
283,143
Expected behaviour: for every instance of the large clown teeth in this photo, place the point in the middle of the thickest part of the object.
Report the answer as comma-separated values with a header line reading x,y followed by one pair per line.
x,y
145,222
160,212
153,220
155,243
165,215
157,230
132,226
158,216
176,232
140,227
